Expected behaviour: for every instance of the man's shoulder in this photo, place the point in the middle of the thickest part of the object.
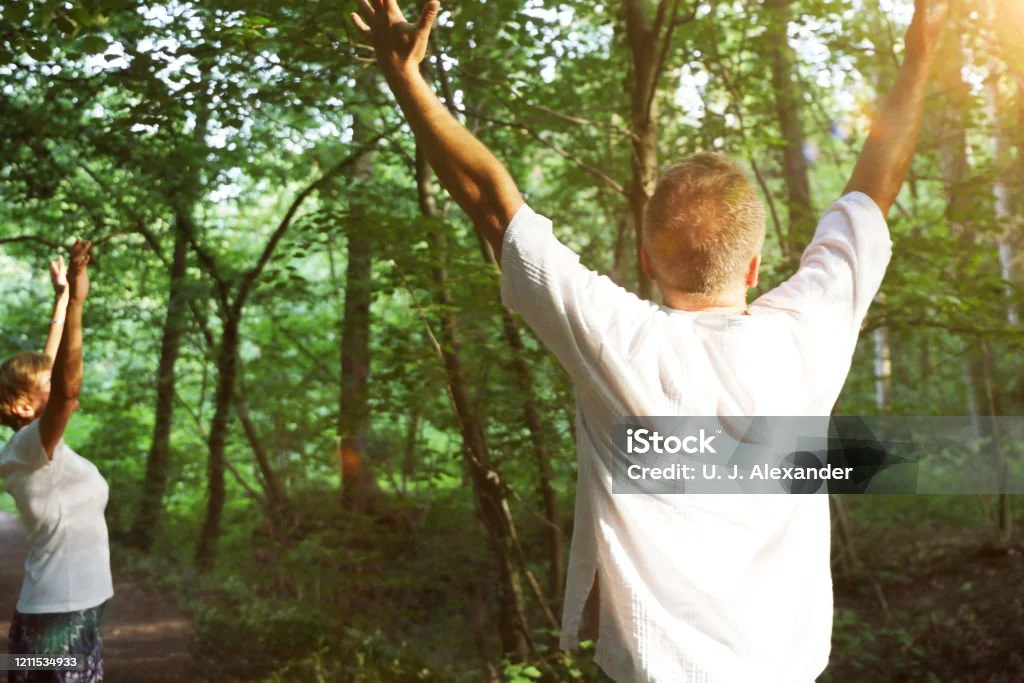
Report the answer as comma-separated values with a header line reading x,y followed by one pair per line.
x,y
859,212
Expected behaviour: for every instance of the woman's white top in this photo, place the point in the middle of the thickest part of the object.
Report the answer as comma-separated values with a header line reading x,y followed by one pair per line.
x,y
61,502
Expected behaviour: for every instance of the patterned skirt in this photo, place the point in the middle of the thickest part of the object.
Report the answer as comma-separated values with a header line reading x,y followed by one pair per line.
x,y
63,633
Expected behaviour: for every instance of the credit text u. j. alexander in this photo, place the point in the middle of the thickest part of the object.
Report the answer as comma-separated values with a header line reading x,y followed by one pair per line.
x,y
642,441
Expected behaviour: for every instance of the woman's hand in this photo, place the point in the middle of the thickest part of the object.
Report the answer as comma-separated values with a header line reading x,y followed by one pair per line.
x,y
59,276
78,274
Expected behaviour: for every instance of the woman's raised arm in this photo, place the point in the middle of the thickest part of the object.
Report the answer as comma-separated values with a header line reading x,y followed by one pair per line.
x,y
66,381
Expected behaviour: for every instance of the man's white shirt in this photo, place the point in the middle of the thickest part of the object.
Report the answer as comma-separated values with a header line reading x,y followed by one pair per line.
x,y
700,588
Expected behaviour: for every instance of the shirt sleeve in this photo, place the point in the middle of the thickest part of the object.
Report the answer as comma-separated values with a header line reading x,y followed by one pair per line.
x,y
840,273
27,447
842,269
573,310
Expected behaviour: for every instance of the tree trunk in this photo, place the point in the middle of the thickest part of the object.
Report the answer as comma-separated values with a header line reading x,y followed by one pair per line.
x,y
545,483
880,337
1010,237
643,36
154,485
535,425
979,374
883,370
785,86
359,486
623,227
488,486
277,499
409,460
227,364
960,209
1020,142
231,314
476,617
846,555
1009,246
524,378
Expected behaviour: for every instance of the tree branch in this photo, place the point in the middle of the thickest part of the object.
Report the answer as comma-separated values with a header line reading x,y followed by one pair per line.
x,y
318,362
596,172
252,493
776,223
659,16
667,43
1006,331
53,244
32,238
568,118
253,274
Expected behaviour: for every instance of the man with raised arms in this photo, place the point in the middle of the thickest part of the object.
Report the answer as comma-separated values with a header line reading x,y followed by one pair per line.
x,y
693,588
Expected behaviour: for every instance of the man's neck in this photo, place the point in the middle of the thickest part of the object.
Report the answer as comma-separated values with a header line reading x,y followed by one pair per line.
x,y
688,301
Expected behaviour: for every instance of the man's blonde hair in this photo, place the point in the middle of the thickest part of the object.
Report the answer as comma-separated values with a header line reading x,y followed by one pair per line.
x,y
703,225
19,376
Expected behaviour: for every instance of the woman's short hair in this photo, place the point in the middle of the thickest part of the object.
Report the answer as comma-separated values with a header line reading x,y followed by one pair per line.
x,y
19,376
703,224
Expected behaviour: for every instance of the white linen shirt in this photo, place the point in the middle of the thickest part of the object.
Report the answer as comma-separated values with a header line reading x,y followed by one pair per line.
x,y
62,503
700,588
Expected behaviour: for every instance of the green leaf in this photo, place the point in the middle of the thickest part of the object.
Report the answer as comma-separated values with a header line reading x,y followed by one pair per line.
x,y
16,12
94,44
39,51
64,24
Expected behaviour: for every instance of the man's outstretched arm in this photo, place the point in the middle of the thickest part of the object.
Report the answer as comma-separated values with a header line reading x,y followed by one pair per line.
x,y
885,159
469,172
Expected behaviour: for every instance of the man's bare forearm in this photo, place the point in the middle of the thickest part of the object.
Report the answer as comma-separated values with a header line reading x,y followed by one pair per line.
x,y
56,332
885,160
473,176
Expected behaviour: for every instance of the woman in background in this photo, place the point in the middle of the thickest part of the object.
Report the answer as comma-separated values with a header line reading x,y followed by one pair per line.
x,y
61,496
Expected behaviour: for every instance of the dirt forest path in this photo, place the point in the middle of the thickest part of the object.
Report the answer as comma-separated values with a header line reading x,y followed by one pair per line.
x,y
145,640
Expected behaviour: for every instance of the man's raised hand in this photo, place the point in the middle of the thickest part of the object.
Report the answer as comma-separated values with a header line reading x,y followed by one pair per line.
x,y
883,164
470,173
926,27
399,44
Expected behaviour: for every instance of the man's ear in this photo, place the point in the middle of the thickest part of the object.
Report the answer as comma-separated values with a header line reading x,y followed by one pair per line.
x,y
752,271
24,410
645,262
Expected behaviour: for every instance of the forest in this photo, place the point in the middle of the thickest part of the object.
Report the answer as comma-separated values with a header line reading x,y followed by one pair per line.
x,y
301,384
